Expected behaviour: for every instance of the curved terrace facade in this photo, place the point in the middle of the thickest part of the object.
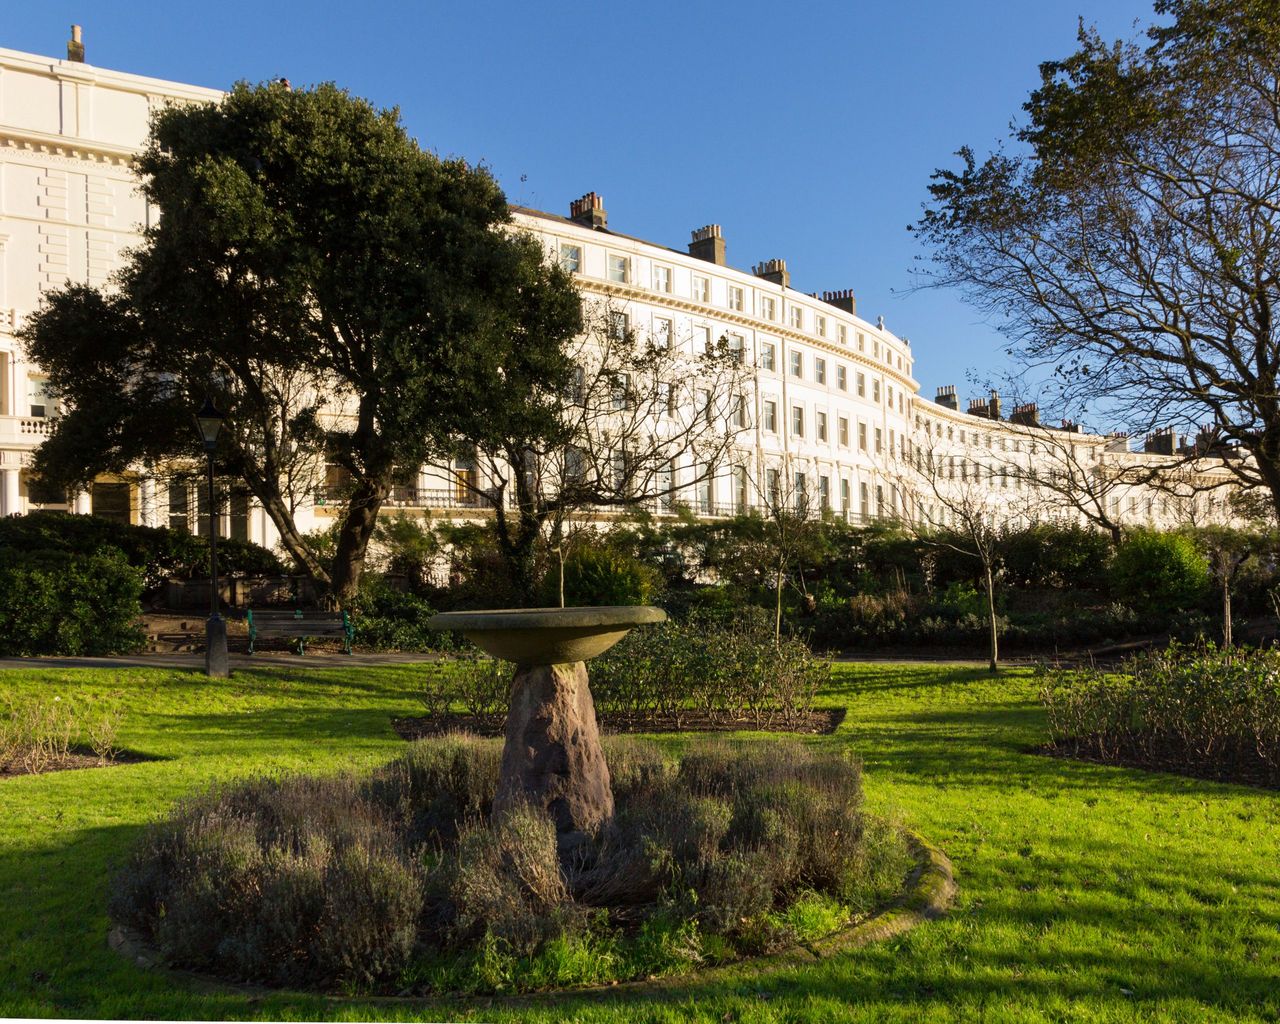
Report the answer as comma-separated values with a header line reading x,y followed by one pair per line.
x,y
830,417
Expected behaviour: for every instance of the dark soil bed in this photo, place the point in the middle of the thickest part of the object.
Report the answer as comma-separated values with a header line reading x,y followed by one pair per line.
x,y
819,722
74,759
1259,774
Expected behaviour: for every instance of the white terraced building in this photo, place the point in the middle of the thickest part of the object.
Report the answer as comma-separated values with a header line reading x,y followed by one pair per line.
x,y
832,411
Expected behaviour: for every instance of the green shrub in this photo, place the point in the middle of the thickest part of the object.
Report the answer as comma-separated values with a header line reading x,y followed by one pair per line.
x,y
56,602
603,576
389,619
1058,555
1160,571
235,558
874,618
408,546
1199,710
158,552
723,669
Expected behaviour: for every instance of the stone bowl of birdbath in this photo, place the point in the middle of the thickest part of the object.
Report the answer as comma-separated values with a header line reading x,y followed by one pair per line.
x,y
551,756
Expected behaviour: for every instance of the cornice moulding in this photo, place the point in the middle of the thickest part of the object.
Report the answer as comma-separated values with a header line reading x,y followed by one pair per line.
x,y
65,146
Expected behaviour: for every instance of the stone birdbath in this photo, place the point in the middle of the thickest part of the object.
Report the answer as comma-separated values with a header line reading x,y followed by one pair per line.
x,y
552,754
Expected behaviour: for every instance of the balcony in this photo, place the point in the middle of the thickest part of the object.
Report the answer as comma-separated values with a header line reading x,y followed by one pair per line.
x,y
461,500
24,431
419,497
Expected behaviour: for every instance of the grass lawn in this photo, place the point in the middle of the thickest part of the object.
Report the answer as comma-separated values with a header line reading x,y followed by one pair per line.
x,y
1086,893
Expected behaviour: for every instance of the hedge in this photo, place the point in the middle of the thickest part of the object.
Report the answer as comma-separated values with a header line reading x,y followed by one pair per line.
x,y
60,602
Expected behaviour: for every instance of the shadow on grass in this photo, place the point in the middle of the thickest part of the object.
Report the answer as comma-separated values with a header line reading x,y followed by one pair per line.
x,y
64,964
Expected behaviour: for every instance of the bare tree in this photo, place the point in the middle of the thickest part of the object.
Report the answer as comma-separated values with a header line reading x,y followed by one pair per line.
x,y
792,528
1233,555
957,512
643,419
1130,244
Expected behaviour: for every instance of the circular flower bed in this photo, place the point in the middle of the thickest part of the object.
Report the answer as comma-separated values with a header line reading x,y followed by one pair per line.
x,y
400,882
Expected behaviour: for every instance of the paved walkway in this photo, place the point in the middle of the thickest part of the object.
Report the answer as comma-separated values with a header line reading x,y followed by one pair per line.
x,y
194,662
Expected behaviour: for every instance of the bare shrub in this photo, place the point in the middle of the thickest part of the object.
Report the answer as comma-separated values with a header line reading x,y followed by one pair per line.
x,y
36,734
504,880
102,731
636,765
294,881
337,882
439,785
483,685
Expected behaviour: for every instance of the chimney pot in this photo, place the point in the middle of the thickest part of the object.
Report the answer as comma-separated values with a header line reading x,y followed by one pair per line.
x,y
774,271
842,299
707,243
946,397
75,45
589,211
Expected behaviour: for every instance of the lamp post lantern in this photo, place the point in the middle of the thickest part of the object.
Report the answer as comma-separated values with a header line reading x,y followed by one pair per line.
x,y
216,661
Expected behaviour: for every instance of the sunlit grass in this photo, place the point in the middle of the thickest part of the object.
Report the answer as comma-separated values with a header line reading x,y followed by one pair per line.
x,y
1086,893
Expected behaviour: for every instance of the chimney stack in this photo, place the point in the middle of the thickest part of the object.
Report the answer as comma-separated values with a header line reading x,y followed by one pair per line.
x,y
1163,442
842,299
708,244
993,406
771,270
1026,415
75,46
978,407
946,397
589,211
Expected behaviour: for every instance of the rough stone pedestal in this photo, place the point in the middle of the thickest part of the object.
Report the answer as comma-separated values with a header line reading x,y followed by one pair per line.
x,y
552,755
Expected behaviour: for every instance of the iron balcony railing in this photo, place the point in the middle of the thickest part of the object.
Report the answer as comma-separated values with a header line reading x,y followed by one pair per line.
x,y
461,499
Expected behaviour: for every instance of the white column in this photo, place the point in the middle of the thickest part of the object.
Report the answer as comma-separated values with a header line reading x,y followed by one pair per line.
x,y
147,501
253,523
12,503
83,504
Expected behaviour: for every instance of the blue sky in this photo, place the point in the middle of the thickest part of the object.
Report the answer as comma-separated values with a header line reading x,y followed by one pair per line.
x,y
807,130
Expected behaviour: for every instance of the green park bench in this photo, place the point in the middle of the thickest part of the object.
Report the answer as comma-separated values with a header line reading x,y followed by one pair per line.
x,y
298,624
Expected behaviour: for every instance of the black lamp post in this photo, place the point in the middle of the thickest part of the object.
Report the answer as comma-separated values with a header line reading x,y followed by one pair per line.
x,y
216,661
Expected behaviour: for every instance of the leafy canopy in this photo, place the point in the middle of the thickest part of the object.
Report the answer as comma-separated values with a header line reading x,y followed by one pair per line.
x,y
344,296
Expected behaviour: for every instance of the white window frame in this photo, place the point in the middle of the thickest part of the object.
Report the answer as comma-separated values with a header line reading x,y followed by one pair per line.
x,y
616,262
572,264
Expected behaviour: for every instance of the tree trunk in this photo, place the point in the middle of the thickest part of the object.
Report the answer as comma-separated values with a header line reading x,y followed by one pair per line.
x,y
353,540
777,620
1226,615
290,538
991,619
560,559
